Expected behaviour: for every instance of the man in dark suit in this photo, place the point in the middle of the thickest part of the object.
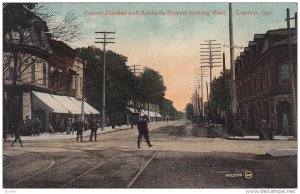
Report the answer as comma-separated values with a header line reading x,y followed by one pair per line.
x,y
16,130
143,131
78,126
93,127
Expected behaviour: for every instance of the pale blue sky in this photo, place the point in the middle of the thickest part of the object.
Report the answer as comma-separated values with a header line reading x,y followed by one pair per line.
x,y
171,44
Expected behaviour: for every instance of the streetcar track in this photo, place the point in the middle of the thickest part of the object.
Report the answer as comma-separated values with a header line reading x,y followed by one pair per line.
x,y
53,161
77,159
141,170
10,161
101,163
38,172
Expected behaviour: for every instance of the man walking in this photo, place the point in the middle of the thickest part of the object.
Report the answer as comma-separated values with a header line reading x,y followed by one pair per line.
x,y
273,126
143,131
93,127
16,130
36,125
263,128
285,125
78,126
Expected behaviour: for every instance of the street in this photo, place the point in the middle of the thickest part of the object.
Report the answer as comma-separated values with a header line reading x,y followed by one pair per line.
x,y
182,157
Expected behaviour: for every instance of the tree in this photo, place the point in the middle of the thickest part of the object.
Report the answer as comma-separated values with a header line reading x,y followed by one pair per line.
x,y
221,93
169,110
119,87
151,88
189,111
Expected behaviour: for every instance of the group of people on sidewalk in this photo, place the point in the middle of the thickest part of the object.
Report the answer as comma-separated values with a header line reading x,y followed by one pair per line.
x,y
268,130
34,125
79,126
28,126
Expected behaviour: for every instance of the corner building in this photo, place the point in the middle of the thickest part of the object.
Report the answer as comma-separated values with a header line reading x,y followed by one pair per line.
x,y
263,78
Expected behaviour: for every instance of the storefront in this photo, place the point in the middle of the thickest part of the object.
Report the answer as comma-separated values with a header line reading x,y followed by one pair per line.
x,y
56,109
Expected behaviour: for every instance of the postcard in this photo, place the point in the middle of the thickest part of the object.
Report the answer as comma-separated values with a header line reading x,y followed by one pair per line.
x,y
177,95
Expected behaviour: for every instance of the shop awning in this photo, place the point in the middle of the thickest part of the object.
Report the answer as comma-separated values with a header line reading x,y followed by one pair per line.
x,y
42,101
88,109
67,103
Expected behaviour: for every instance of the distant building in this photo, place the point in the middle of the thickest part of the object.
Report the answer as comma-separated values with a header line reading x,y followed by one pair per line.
x,y
263,80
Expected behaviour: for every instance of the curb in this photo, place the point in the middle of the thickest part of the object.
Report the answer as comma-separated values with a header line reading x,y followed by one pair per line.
x,y
282,153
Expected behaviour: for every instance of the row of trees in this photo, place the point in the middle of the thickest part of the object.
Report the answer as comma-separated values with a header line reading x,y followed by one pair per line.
x,y
122,85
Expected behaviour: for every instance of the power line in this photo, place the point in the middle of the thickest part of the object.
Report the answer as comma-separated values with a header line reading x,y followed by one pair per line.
x,y
213,51
104,42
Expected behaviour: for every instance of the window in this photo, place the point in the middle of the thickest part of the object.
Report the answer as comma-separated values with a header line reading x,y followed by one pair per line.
x,y
61,80
81,81
76,82
73,82
284,74
44,74
9,74
33,72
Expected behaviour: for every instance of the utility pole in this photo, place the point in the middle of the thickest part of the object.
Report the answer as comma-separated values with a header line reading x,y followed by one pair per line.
x,y
292,81
202,74
104,42
135,70
225,96
233,84
211,49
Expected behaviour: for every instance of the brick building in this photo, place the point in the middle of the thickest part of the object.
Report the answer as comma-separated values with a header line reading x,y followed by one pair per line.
x,y
263,79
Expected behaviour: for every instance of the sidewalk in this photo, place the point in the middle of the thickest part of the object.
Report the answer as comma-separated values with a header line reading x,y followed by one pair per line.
x,y
59,135
219,130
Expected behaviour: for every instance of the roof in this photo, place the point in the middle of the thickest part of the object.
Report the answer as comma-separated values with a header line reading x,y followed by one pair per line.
x,y
285,41
281,31
259,36
62,45
251,43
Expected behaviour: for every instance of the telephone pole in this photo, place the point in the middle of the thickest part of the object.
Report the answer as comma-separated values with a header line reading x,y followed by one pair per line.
x,y
211,49
202,74
105,40
291,72
135,69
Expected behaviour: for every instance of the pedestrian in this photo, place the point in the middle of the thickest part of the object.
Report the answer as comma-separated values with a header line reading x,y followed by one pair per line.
x,y
263,128
62,125
223,123
285,125
69,126
93,127
272,127
28,126
36,125
17,130
143,131
78,126
50,128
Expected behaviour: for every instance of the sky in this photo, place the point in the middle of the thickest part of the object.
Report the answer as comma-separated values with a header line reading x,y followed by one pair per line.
x,y
170,43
